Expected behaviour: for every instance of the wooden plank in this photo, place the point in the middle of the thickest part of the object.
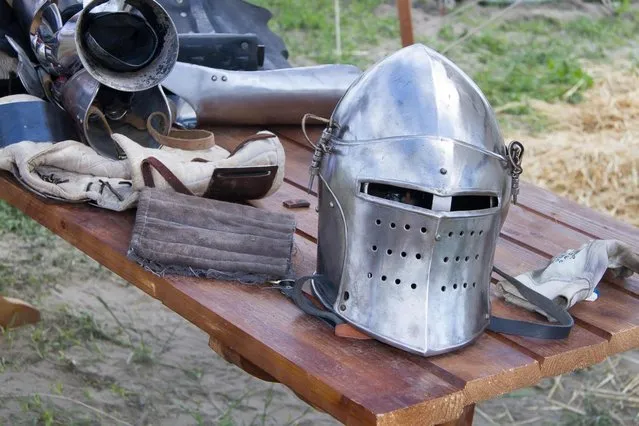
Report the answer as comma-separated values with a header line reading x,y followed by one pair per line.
x,y
16,313
576,216
355,381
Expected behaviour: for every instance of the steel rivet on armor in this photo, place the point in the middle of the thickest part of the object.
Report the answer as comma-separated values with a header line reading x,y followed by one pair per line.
x,y
443,171
214,78
438,237
316,209
487,316
342,307
244,45
330,204
183,14
224,78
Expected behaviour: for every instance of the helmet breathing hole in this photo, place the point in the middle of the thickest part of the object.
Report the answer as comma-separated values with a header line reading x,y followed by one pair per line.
x,y
457,259
413,286
389,252
450,234
423,230
378,222
397,281
403,254
476,256
474,285
346,295
374,248
461,233
383,277
446,259
407,227
455,286
418,256
443,288
472,233
465,285
466,258
370,275
392,225
481,232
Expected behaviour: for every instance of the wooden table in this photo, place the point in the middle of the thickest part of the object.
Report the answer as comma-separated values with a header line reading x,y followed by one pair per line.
x,y
364,381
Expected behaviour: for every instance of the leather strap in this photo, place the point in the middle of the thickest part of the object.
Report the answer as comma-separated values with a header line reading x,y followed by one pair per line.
x,y
189,140
531,329
497,324
164,171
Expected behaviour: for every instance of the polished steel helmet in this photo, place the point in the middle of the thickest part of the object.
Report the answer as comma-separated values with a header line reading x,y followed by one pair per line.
x,y
415,184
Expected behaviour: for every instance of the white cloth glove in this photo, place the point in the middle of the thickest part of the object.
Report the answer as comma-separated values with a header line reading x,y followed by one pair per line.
x,y
573,275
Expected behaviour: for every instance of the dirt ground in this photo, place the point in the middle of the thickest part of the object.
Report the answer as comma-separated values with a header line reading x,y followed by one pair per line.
x,y
106,353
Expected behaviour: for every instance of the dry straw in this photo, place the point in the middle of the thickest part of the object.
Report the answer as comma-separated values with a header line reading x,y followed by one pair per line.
x,y
592,156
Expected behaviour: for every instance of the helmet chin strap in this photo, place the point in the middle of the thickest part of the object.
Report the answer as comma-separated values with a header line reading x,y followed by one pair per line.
x,y
293,290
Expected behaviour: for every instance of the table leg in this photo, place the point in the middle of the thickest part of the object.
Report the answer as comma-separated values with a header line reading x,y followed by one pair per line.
x,y
466,419
16,313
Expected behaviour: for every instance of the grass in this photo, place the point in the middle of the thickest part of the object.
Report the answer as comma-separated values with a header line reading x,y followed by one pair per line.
x,y
512,61
14,221
309,31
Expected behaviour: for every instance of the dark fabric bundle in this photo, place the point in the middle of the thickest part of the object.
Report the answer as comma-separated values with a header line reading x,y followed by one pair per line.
x,y
186,235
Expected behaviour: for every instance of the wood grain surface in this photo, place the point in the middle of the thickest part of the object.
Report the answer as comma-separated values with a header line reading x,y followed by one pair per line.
x,y
365,381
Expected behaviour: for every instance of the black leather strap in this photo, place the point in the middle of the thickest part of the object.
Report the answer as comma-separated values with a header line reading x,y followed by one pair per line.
x,y
531,329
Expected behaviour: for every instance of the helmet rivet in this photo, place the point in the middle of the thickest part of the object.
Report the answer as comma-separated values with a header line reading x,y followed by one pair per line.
x,y
443,171
438,237
214,78
223,78
330,203
342,307
316,209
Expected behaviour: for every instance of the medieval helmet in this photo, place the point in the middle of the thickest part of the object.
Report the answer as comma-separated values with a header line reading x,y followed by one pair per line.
x,y
415,184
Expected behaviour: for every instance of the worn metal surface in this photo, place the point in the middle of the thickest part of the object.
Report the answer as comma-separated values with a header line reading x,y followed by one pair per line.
x,y
148,76
82,91
413,193
260,97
